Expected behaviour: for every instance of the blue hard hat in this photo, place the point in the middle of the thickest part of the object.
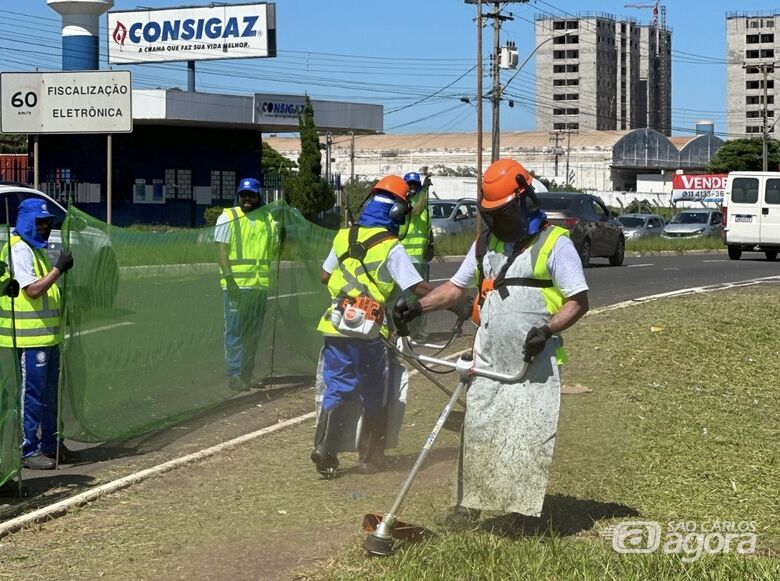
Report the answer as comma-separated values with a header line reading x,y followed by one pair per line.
x,y
249,185
36,208
413,177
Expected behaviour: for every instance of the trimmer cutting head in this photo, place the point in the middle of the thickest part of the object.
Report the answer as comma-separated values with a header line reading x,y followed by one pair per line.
x,y
383,535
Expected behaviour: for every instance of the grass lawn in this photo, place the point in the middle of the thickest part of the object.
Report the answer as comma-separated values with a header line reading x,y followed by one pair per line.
x,y
682,425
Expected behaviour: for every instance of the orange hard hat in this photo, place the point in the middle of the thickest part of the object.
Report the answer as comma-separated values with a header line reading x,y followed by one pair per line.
x,y
393,185
500,184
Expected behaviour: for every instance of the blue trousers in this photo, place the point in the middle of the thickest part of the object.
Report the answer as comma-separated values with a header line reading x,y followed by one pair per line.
x,y
243,326
40,372
352,368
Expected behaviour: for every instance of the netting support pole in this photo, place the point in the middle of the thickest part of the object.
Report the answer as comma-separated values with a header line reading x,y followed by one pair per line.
x,y
109,177
282,234
17,362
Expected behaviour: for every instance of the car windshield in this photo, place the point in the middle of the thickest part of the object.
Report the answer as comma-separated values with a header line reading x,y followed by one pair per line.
x,y
690,218
631,221
441,210
556,203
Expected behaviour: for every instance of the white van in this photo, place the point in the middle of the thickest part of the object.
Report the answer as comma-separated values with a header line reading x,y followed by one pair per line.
x,y
751,213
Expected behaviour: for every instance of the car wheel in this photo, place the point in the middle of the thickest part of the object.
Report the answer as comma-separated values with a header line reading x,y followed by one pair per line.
x,y
770,254
585,253
620,253
735,252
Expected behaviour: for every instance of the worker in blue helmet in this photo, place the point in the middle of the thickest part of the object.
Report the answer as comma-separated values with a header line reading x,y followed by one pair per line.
x,y
248,245
31,324
417,237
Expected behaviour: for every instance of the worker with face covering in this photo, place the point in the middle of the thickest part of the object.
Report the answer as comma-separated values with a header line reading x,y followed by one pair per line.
x,y
531,287
248,244
31,323
365,266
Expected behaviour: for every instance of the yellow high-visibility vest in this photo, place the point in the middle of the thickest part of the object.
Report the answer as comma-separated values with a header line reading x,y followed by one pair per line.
x,y
417,234
351,279
253,244
37,320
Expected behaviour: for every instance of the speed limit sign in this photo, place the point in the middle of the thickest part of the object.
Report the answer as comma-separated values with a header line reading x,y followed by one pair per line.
x,y
66,102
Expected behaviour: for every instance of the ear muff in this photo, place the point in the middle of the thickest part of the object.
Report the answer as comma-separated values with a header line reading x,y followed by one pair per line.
x,y
398,212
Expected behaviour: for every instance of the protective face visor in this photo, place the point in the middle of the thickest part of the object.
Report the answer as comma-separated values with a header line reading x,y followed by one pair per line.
x,y
510,223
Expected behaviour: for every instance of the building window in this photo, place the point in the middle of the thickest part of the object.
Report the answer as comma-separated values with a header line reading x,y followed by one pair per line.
x,y
571,82
753,24
572,39
223,184
559,25
767,38
752,84
561,54
559,97
768,53
572,68
559,111
572,96
752,39
559,82
572,54
752,129
178,184
576,111
559,40
571,25
769,23
559,125
752,70
752,114
559,68
572,126
751,54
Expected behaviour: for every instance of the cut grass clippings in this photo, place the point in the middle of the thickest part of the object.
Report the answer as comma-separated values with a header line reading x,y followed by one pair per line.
x,y
682,425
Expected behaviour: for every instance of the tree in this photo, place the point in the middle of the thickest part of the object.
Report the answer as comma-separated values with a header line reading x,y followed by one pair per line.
x,y
744,155
307,191
354,193
275,161
13,143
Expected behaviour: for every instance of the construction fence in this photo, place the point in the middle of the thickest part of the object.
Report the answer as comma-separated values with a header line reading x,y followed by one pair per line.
x,y
144,326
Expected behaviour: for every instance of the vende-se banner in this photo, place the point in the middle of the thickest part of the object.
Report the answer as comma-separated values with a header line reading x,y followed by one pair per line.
x,y
699,188
217,31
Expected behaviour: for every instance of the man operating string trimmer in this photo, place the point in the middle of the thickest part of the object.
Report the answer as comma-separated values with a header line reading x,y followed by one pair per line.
x,y
532,286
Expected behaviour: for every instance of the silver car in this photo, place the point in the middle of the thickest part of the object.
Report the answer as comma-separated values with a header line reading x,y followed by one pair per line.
x,y
450,217
694,223
636,226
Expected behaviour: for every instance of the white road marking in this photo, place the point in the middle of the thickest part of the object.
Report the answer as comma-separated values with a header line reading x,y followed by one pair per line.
x,y
98,329
719,260
638,265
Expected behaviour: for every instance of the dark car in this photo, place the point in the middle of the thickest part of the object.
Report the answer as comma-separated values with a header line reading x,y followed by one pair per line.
x,y
593,229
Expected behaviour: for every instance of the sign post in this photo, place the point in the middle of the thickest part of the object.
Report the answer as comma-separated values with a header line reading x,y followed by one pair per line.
x,y
67,102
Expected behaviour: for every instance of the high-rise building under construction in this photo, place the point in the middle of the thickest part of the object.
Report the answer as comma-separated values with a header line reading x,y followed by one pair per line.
x,y
596,71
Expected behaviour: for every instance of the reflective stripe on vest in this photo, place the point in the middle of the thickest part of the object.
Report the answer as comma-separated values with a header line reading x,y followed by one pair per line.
x,y
416,239
350,278
251,244
37,320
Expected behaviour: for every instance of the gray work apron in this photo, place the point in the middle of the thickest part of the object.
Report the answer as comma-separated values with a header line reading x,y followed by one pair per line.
x,y
509,429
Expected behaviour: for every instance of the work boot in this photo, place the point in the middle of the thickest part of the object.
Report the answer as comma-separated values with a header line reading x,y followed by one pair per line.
x,y
237,384
38,461
371,446
458,518
326,441
67,456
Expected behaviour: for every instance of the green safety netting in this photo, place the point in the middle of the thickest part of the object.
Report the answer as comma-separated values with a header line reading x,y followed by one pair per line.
x,y
144,326
9,417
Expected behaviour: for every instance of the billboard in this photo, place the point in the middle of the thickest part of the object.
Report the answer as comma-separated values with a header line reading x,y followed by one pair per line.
x,y
66,102
699,188
217,31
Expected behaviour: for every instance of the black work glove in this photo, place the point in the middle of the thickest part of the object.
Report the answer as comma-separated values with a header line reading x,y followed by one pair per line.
x,y
535,340
426,183
11,288
232,288
463,308
404,313
64,262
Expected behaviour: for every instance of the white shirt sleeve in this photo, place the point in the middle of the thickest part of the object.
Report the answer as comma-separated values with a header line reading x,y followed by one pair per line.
x,y
401,269
465,277
222,230
565,268
331,262
24,269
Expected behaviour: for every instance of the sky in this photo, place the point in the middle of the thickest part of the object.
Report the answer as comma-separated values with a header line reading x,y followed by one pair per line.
x,y
415,57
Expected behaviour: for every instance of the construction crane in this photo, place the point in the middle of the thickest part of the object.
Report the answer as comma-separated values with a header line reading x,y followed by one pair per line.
x,y
655,7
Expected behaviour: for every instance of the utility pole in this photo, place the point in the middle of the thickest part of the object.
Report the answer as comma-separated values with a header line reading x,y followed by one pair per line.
x,y
568,151
495,93
479,106
352,158
766,68
556,141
